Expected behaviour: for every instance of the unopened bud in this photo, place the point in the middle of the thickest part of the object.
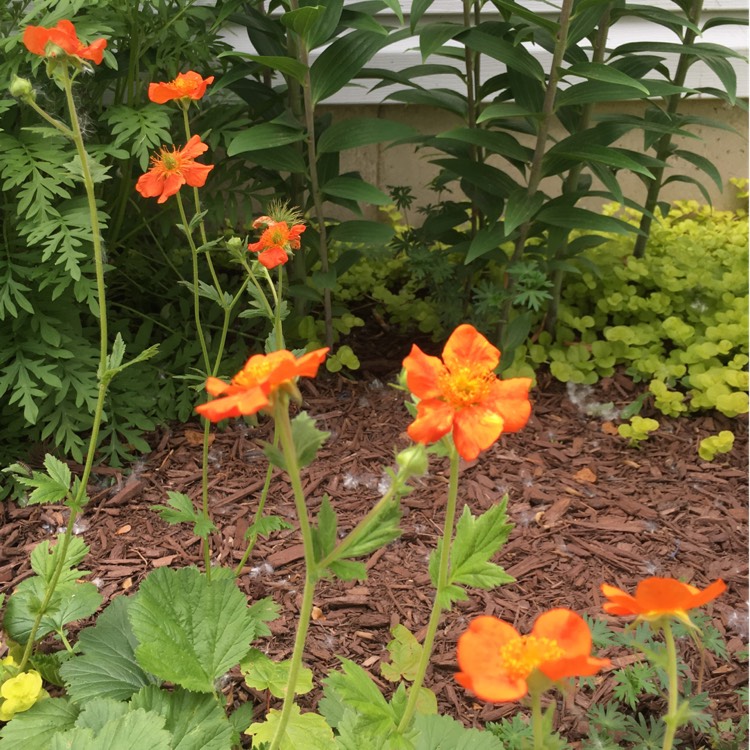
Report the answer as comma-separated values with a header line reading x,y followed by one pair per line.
x,y
235,244
21,88
412,461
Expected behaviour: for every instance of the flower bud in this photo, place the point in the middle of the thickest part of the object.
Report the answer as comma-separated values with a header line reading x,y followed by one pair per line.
x,y
412,461
235,244
21,88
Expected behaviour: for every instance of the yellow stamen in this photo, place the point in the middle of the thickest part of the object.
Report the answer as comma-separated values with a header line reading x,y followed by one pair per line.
x,y
464,386
253,374
522,655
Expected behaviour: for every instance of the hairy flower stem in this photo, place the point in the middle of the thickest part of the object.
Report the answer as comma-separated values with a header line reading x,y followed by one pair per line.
x,y
537,720
284,429
438,603
671,718
103,375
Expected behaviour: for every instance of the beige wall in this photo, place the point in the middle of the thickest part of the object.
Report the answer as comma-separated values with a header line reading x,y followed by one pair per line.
x,y
401,165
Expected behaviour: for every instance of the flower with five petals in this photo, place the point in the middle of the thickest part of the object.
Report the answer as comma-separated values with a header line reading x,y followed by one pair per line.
x,y
255,386
190,85
498,664
170,170
49,42
277,240
461,394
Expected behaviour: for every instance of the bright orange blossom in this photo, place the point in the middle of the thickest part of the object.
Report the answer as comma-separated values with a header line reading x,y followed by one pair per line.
x,y
496,661
276,241
254,387
190,85
46,42
462,394
170,170
660,597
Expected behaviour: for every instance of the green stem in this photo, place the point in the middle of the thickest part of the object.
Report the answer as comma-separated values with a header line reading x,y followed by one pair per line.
x,y
673,695
284,428
437,606
537,720
279,333
104,378
196,279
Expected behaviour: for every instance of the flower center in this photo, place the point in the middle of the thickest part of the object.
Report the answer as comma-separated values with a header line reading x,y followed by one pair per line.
x,y
278,234
464,386
184,86
253,374
170,162
522,655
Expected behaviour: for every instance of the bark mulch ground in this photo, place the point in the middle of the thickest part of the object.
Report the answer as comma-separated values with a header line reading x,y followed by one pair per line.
x,y
586,509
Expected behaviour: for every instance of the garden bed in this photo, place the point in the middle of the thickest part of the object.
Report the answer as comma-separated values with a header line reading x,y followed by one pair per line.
x,y
586,509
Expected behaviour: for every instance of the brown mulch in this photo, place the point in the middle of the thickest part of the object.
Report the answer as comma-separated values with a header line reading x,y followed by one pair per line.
x,y
586,509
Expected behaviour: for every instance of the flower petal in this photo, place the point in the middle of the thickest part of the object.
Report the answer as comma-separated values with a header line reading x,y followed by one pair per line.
x,y
194,147
272,257
510,399
567,628
467,345
475,428
423,373
308,364
434,420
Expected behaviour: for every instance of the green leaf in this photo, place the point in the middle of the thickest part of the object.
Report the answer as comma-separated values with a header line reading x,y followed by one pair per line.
x,y
37,726
107,666
433,36
611,157
348,570
52,487
181,509
263,673
140,131
307,442
264,136
486,240
572,217
308,730
342,60
71,601
195,721
285,65
514,56
444,733
477,539
601,72
303,20
591,92
136,730
191,630
705,165
356,189
445,99
362,232
501,111
405,651
520,208
491,140
44,561
381,529
281,159
361,131
490,179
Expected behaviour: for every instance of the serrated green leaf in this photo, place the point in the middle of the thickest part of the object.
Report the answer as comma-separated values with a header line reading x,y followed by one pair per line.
x,y
324,533
195,721
477,539
106,665
263,673
308,730
190,630
405,651
348,570
182,510
445,733
44,561
380,530
37,726
136,730
97,712
307,442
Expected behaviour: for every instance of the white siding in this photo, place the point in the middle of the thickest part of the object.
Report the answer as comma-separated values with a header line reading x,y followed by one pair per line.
x,y
406,53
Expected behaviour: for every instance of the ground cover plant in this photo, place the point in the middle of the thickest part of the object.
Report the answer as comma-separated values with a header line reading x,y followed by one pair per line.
x,y
150,671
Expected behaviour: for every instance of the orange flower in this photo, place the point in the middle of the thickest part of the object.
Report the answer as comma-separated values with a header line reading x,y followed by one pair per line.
x,y
660,597
188,85
462,394
254,387
275,242
63,37
170,170
496,661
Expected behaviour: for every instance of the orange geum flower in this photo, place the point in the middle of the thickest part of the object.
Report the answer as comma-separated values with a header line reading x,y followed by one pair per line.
x,y
461,394
656,598
256,385
190,85
276,241
63,37
497,662
170,170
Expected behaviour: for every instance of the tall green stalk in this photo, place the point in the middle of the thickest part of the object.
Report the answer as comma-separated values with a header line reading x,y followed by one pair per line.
x,y
671,719
664,145
437,605
104,377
